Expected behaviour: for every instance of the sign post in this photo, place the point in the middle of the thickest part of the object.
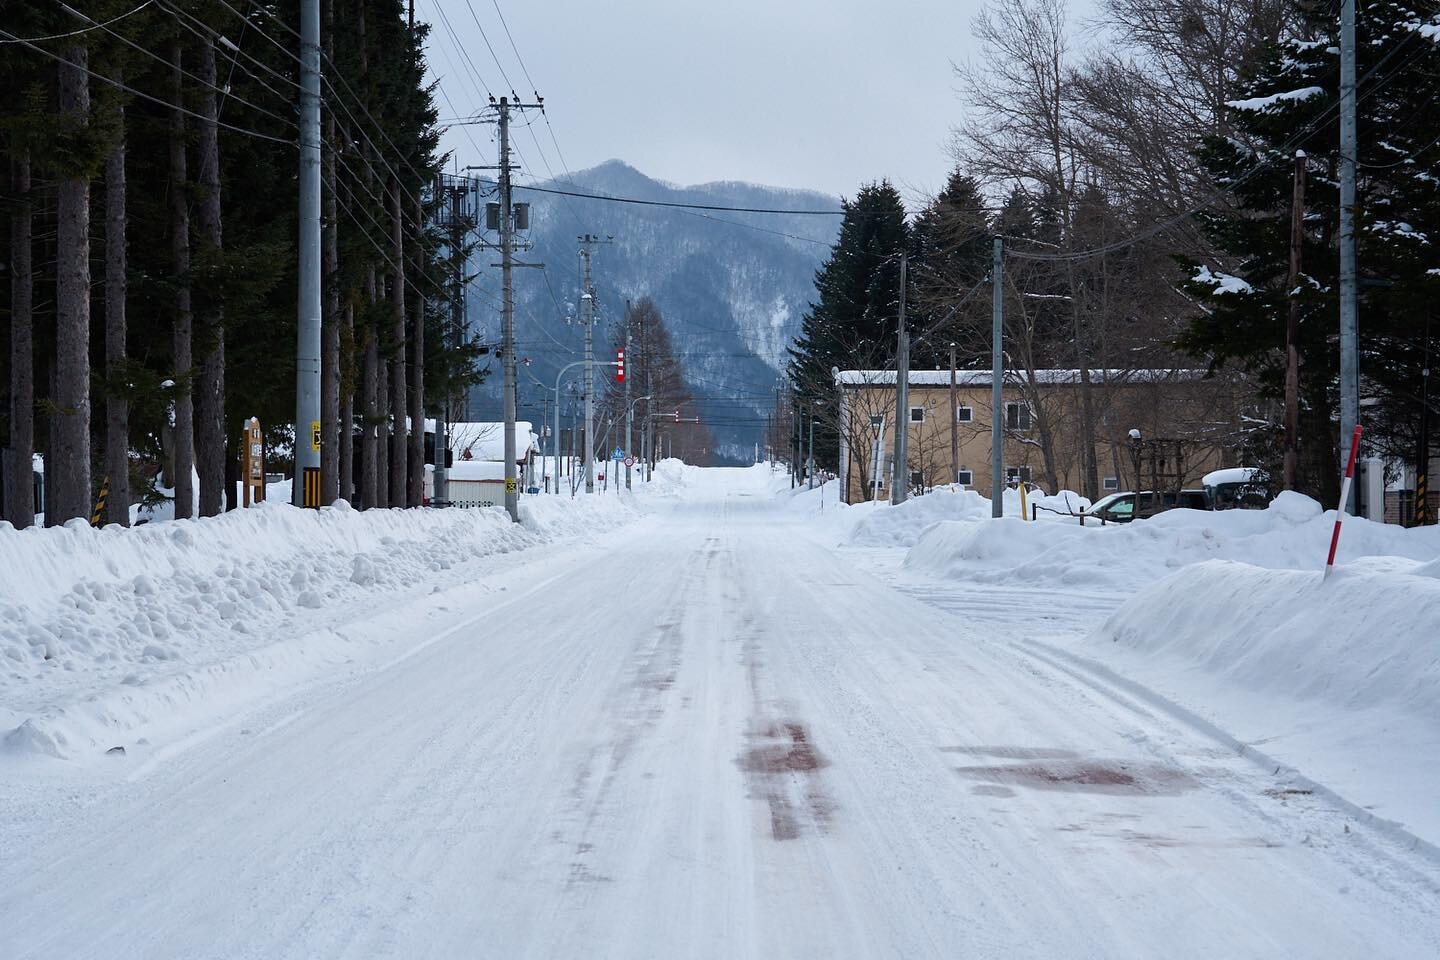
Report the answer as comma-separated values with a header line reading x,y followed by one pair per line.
x,y
252,464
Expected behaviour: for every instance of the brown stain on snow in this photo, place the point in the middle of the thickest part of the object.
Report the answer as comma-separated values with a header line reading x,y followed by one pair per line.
x,y
783,769
1085,776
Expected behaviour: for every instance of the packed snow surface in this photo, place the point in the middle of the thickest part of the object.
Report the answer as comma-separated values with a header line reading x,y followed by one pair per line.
x,y
702,720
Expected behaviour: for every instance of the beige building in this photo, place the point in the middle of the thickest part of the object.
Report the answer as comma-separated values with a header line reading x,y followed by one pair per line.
x,y
1041,419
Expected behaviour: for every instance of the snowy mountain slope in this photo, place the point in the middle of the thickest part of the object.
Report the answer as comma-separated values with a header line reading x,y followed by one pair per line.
x,y
732,286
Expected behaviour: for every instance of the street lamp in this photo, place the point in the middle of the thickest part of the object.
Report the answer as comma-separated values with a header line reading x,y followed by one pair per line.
x,y
1135,443
556,445
629,422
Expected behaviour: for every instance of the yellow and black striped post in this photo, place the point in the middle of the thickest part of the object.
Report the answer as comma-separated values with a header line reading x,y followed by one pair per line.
x,y
1422,502
98,513
312,486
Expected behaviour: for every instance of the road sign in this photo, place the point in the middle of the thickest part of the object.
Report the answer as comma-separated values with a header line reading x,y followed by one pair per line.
x,y
618,454
629,461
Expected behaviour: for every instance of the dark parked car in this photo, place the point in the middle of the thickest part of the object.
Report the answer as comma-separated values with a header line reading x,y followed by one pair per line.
x,y
1120,507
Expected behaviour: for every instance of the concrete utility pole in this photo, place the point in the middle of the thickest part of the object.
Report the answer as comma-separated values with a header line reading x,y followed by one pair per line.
x,y
954,423
507,313
506,223
587,317
997,379
1349,286
900,478
629,413
649,440
1292,328
307,338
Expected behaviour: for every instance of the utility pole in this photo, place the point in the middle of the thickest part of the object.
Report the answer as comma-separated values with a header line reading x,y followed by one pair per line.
x,y
507,313
307,338
587,305
506,223
1349,285
649,406
629,413
900,475
954,423
997,377
1292,328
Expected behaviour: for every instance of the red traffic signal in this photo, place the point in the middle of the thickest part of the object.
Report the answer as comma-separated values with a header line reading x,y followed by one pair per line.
x,y
619,366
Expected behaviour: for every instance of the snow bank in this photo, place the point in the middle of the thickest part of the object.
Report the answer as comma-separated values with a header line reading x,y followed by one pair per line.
x,y
884,525
1338,679
1292,533
112,629
1356,641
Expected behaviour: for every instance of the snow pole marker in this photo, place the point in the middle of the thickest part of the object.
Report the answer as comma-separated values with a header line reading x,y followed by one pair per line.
x,y
1344,499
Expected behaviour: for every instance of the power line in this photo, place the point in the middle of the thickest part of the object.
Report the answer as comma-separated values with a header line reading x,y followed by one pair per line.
x,y
145,96
83,30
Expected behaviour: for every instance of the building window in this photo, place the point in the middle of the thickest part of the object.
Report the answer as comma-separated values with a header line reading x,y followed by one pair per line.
x,y
1017,474
1112,483
917,414
964,414
1017,416
965,478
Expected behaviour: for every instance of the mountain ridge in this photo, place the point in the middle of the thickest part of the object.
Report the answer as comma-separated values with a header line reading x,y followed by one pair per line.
x,y
732,286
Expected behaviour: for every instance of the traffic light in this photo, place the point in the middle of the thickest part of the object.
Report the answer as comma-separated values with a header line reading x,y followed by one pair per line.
x,y
619,366
677,414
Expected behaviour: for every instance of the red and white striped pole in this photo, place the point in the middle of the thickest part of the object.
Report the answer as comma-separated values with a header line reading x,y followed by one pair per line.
x,y
1344,499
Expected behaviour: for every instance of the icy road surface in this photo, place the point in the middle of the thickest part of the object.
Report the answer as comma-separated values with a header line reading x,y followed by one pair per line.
x,y
718,738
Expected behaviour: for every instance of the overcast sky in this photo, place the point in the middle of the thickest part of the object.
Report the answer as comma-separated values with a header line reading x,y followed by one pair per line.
x,y
823,94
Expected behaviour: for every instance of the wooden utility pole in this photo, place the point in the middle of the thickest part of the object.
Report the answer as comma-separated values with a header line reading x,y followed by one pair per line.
x,y
1292,328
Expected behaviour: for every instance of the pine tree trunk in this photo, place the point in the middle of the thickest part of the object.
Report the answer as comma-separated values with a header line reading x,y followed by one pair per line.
x,y
184,433
210,407
347,408
117,398
330,318
369,436
399,396
415,494
68,467
382,407
20,485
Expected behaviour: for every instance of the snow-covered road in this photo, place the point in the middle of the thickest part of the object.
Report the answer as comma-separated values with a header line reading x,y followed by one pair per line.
x,y
712,737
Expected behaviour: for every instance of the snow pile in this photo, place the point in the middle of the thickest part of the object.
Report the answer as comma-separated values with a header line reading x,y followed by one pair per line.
x,y
884,525
1357,640
1338,678
111,629
1292,533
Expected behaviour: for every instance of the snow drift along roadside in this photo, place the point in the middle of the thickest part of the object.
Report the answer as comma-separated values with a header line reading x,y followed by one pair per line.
x,y
1355,641
1292,533
112,630
1337,679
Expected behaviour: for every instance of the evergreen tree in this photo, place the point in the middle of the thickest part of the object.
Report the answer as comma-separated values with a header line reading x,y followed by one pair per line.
x,y
852,324
950,252
1291,105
